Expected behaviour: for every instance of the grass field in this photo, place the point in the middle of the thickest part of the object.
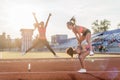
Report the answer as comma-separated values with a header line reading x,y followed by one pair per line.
x,y
18,55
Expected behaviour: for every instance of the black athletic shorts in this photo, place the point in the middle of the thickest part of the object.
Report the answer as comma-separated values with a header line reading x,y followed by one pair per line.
x,y
85,32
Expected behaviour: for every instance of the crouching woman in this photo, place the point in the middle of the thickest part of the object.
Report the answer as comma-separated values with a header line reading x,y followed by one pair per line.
x,y
83,51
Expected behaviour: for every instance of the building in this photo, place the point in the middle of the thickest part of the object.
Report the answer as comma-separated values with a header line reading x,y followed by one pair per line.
x,y
26,39
58,39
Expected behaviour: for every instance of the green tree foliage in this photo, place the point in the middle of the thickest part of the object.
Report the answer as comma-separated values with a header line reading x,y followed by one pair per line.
x,y
6,43
100,26
18,43
3,41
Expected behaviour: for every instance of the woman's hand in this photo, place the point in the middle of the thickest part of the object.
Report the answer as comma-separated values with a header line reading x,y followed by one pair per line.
x,y
50,14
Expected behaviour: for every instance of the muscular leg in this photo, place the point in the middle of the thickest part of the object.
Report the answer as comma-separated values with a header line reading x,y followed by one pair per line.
x,y
82,57
49,47
81,61
82,38
34,45
88,39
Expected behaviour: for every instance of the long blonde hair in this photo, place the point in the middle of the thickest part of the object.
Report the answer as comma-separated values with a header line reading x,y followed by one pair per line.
x,y
72,21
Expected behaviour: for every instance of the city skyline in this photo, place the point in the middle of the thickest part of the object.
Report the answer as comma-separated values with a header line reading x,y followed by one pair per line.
x,y
17,14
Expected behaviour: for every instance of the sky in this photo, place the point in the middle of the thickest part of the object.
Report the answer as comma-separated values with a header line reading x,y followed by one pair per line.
x,y
17,14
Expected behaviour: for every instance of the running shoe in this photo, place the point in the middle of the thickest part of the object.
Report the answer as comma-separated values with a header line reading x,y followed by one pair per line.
x,y
82,70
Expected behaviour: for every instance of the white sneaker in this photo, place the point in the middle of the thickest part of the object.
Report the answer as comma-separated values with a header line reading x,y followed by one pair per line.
x,y
91,53
82,70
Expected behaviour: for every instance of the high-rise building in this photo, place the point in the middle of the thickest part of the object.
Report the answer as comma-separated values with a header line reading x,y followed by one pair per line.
x,y
26,39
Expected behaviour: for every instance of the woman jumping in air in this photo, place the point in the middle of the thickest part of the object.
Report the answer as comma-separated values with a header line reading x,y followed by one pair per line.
x,y
42,35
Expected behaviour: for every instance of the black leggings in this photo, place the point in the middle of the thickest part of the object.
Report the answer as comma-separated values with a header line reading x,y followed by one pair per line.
x,y
44,43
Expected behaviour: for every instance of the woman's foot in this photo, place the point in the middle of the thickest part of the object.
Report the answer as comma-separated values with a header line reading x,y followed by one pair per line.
x,y
56,56
91,53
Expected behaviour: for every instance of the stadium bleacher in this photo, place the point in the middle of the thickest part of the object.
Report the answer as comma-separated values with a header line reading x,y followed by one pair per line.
x,y
108,39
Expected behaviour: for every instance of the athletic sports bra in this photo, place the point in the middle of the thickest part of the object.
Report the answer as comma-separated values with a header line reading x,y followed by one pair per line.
x,y
42,30
42,33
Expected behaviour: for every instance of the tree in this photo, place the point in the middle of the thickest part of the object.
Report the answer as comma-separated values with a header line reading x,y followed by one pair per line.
x,y
100,26
8,42
17,43
3,41
118,25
